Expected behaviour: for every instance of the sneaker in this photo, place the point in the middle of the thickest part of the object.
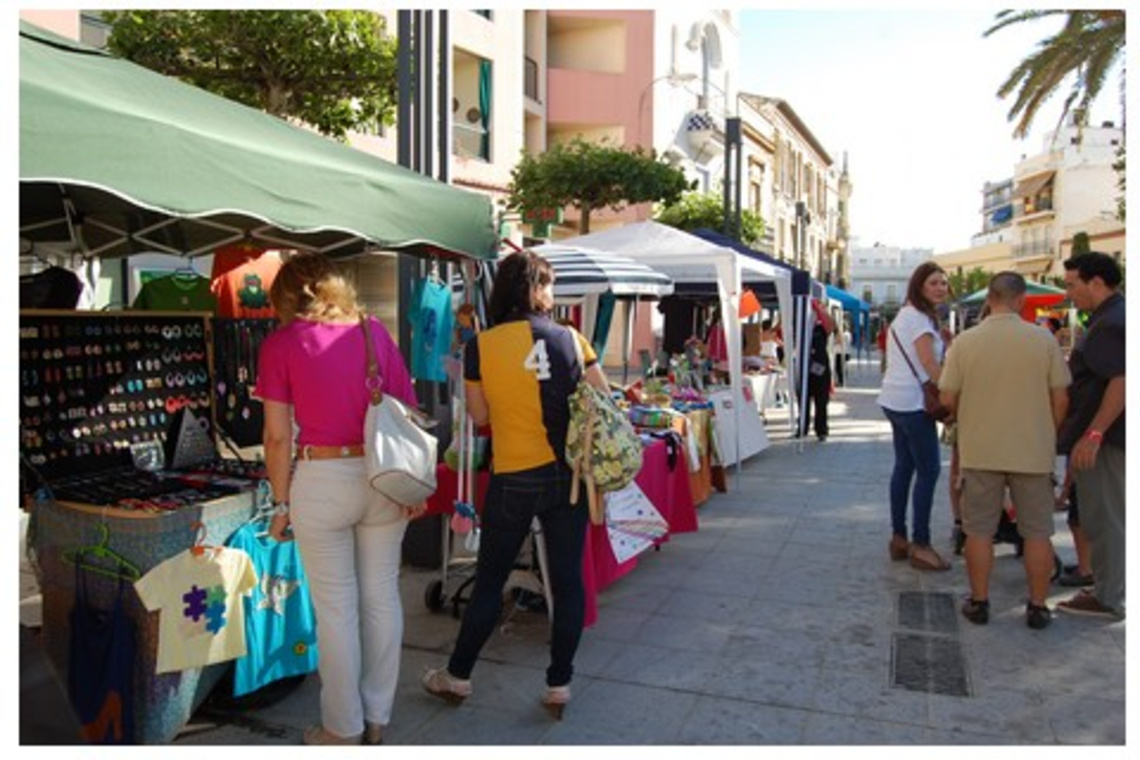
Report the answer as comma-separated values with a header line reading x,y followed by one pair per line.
x,y
976,611
1037,617
1086,603
438,682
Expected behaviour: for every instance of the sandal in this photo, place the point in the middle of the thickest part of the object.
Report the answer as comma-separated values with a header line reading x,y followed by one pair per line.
x,y
923,557
555,700
898,548
438,682
320,735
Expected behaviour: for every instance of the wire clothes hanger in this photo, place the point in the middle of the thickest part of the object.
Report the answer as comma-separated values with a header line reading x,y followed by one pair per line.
x,y
101,558
200,548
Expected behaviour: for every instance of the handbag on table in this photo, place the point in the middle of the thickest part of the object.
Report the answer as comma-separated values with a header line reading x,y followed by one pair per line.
x,y
931,402
399,455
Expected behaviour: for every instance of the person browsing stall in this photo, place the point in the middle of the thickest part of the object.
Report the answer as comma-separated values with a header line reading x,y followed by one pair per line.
x,y
519,376
917,331
1007,382
312,373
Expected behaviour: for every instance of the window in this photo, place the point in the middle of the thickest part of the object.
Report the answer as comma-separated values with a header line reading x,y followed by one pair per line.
x,y
473,104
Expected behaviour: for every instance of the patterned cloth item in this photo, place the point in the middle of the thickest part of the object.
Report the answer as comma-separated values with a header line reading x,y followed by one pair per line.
x,y
602,447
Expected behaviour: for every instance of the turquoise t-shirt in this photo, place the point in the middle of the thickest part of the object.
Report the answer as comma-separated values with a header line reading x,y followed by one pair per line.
x,y
432,324
280,626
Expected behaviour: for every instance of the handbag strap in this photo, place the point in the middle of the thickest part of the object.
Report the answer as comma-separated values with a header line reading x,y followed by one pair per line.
x,y
372,381
903,351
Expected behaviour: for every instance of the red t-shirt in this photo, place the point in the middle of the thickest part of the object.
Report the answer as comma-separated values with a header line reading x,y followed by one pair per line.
x,y
241,277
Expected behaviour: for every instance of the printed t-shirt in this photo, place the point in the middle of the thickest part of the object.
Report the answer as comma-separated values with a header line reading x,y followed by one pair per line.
x,y
319,368
199,600
176,292
432,323
527,369
901,392
280,626
241,278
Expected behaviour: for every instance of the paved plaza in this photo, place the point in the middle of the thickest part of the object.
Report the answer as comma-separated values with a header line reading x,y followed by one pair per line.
x,y
780,622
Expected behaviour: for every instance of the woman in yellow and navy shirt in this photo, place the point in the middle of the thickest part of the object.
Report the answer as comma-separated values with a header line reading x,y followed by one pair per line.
x,y
519,375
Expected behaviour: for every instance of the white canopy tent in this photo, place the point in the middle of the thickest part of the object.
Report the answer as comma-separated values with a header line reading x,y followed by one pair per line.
x,y
688,258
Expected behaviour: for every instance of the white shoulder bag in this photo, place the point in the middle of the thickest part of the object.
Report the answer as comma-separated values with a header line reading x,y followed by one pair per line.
x,y
400,456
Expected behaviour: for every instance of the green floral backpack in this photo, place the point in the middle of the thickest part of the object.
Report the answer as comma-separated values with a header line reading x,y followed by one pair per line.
x,y
602,448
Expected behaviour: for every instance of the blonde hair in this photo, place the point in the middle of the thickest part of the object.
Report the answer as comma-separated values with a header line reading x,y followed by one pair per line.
x,y
309,286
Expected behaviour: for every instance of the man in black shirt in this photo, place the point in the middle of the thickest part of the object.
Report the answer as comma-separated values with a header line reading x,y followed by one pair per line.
x,y
1093,431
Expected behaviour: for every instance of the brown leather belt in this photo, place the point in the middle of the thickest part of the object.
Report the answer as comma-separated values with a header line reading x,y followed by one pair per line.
x,y
331,452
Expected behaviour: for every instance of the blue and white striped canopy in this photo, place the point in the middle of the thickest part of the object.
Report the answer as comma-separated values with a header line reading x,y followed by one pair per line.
x,y
584,271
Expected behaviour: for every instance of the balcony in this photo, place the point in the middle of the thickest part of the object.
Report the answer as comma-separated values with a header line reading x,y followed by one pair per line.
x,y
1033,249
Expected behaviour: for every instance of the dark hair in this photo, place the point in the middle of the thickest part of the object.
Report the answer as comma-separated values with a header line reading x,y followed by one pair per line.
x,y
519,274
1095,264
914,295
1006,287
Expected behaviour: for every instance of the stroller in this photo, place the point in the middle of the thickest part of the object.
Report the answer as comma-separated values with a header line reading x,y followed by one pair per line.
x,y
1007,533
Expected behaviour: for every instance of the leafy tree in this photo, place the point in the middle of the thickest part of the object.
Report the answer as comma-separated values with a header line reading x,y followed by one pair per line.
x,y
964,283
696,210
1081,243
590,176
1085,51
334,70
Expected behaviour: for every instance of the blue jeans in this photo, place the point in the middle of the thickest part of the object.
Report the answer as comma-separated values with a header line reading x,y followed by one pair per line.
x,y
513,500
917,459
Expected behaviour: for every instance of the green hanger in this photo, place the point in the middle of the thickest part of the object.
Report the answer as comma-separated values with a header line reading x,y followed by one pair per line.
x,y
102,559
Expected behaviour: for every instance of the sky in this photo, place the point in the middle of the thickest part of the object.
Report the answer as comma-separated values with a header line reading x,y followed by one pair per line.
x,y
910,97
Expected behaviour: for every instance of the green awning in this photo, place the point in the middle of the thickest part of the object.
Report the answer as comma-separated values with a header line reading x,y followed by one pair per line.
x,y
116,159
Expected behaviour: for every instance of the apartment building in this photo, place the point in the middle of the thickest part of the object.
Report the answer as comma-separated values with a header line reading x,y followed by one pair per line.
x,y
794,185
880,273
1030,218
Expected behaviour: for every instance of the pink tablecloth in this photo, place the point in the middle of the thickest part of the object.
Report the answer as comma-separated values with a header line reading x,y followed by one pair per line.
x,y
668,490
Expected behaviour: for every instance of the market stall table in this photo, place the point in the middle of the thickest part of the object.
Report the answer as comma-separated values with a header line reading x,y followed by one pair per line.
x,y
668,490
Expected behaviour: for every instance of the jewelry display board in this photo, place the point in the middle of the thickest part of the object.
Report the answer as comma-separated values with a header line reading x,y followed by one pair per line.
x,y
237,345
107,403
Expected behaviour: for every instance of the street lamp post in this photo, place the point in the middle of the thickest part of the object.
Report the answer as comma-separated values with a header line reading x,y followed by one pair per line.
x,y
675,79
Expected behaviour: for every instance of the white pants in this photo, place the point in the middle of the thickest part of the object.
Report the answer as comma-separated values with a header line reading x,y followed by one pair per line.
x,y
350,539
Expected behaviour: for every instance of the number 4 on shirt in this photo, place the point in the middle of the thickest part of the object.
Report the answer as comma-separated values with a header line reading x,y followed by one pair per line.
x,y
537,360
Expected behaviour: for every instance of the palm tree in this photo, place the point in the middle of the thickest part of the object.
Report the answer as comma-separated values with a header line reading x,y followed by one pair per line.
x,y
1087,47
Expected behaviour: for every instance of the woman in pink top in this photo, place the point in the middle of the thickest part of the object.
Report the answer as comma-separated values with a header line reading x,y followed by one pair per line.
x,y
311,374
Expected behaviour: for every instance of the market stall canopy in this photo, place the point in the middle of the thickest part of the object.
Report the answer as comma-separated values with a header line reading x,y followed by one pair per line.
x,y
583,271
859,309
802,281
116,159
1037,296
689,260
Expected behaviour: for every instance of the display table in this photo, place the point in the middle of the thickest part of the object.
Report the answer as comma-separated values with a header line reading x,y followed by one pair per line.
x,y
162,703
668,490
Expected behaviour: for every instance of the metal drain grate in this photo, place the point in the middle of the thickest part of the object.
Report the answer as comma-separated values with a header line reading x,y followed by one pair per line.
x,y
932,664
923,611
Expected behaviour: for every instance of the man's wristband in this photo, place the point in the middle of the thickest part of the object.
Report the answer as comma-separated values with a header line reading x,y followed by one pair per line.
x,y
281,508
1095,436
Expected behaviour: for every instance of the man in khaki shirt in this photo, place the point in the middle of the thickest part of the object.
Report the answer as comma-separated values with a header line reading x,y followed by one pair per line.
x,y
1007,381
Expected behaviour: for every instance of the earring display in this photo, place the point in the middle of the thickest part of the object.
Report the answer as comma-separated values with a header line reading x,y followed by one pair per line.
x,y
237,344
94,387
